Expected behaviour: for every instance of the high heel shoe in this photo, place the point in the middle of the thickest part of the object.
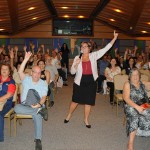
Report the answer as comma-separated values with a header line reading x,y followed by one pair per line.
x,y
88,126
66,121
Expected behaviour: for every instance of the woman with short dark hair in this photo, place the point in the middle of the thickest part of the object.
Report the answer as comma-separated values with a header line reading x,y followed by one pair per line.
x,y
84,88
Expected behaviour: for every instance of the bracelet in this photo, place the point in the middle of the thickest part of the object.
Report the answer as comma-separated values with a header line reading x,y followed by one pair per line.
x,y
40,104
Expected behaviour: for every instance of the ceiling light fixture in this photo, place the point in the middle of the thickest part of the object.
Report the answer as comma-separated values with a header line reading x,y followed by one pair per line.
x,y
66,16
131,28
112,20
1,29
144,31
80,16
64,7
31,8
117,10
34,18
148,23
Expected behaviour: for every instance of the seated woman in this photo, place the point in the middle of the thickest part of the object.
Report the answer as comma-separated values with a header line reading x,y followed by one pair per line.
x,y
130,65
45,74
110,72
7,90
138,116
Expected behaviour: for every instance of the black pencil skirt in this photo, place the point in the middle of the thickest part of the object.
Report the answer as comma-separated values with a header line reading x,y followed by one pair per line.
x,y
86,92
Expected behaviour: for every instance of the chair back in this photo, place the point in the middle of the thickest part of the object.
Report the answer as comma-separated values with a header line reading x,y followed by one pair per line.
x,y
123,72
28,71
119,81
15,96
144,77
148,94
145,72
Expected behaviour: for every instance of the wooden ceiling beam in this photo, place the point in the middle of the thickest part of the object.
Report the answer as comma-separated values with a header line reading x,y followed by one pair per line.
x,y
51,7
99,8
13,11
137,10
114,27
31,26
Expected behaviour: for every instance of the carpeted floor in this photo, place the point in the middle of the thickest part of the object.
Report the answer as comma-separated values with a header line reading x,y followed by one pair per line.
x,y
107,132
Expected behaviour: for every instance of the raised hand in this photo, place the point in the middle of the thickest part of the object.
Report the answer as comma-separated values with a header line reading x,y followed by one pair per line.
x,y
25,48
28,55
42,46
16,48
116,49
11,53
56,50
115,34
1,50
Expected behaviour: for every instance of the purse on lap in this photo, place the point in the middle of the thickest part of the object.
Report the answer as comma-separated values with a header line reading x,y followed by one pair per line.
x,y
32,97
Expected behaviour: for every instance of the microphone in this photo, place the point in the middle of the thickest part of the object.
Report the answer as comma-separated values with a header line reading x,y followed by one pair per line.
x,y
80,55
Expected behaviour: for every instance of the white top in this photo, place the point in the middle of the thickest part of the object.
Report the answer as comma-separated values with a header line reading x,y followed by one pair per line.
x,y
53,71
56,62
94,56
111,73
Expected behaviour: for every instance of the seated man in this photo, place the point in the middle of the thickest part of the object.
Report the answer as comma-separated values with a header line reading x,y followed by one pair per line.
x,y
32,83
54,77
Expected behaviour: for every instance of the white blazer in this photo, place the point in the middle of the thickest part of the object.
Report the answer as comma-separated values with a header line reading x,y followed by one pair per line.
x,y
94,56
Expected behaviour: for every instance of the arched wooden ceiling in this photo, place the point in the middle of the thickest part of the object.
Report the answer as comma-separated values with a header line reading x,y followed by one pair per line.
x,y
132,20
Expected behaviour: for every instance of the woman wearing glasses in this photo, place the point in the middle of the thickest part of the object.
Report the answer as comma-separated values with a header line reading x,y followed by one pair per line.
x,y
84,88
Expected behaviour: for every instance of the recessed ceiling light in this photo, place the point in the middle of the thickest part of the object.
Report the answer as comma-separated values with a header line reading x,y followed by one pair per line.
x,y
1,29
64,7
66,16
144,31
148,23
34,18
31,8
112,19
80,16
131,28
118,10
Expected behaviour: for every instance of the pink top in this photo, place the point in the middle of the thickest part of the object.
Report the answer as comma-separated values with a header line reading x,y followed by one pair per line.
x,y
86,67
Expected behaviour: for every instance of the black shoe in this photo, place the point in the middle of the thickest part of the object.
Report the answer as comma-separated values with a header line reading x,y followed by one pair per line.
x,y
111,103
88,126
51,103
44,113
98,91
38,144
66,121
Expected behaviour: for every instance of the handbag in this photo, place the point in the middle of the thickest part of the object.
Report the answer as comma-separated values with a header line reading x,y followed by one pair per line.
x,y
60,82
32,97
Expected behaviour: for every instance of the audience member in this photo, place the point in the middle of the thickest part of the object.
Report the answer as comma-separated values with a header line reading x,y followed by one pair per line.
x,y
34,89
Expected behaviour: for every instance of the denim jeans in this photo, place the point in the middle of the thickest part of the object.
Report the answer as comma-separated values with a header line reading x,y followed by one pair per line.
x,y
51,86
6,109
37,118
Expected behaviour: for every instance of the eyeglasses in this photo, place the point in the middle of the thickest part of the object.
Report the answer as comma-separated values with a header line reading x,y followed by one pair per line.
x,y
84,46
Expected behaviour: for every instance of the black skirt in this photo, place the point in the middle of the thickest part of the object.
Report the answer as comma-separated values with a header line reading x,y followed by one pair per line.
x,y
86,92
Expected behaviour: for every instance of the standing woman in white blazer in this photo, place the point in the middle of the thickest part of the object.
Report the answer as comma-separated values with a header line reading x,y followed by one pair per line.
x,y
84,88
